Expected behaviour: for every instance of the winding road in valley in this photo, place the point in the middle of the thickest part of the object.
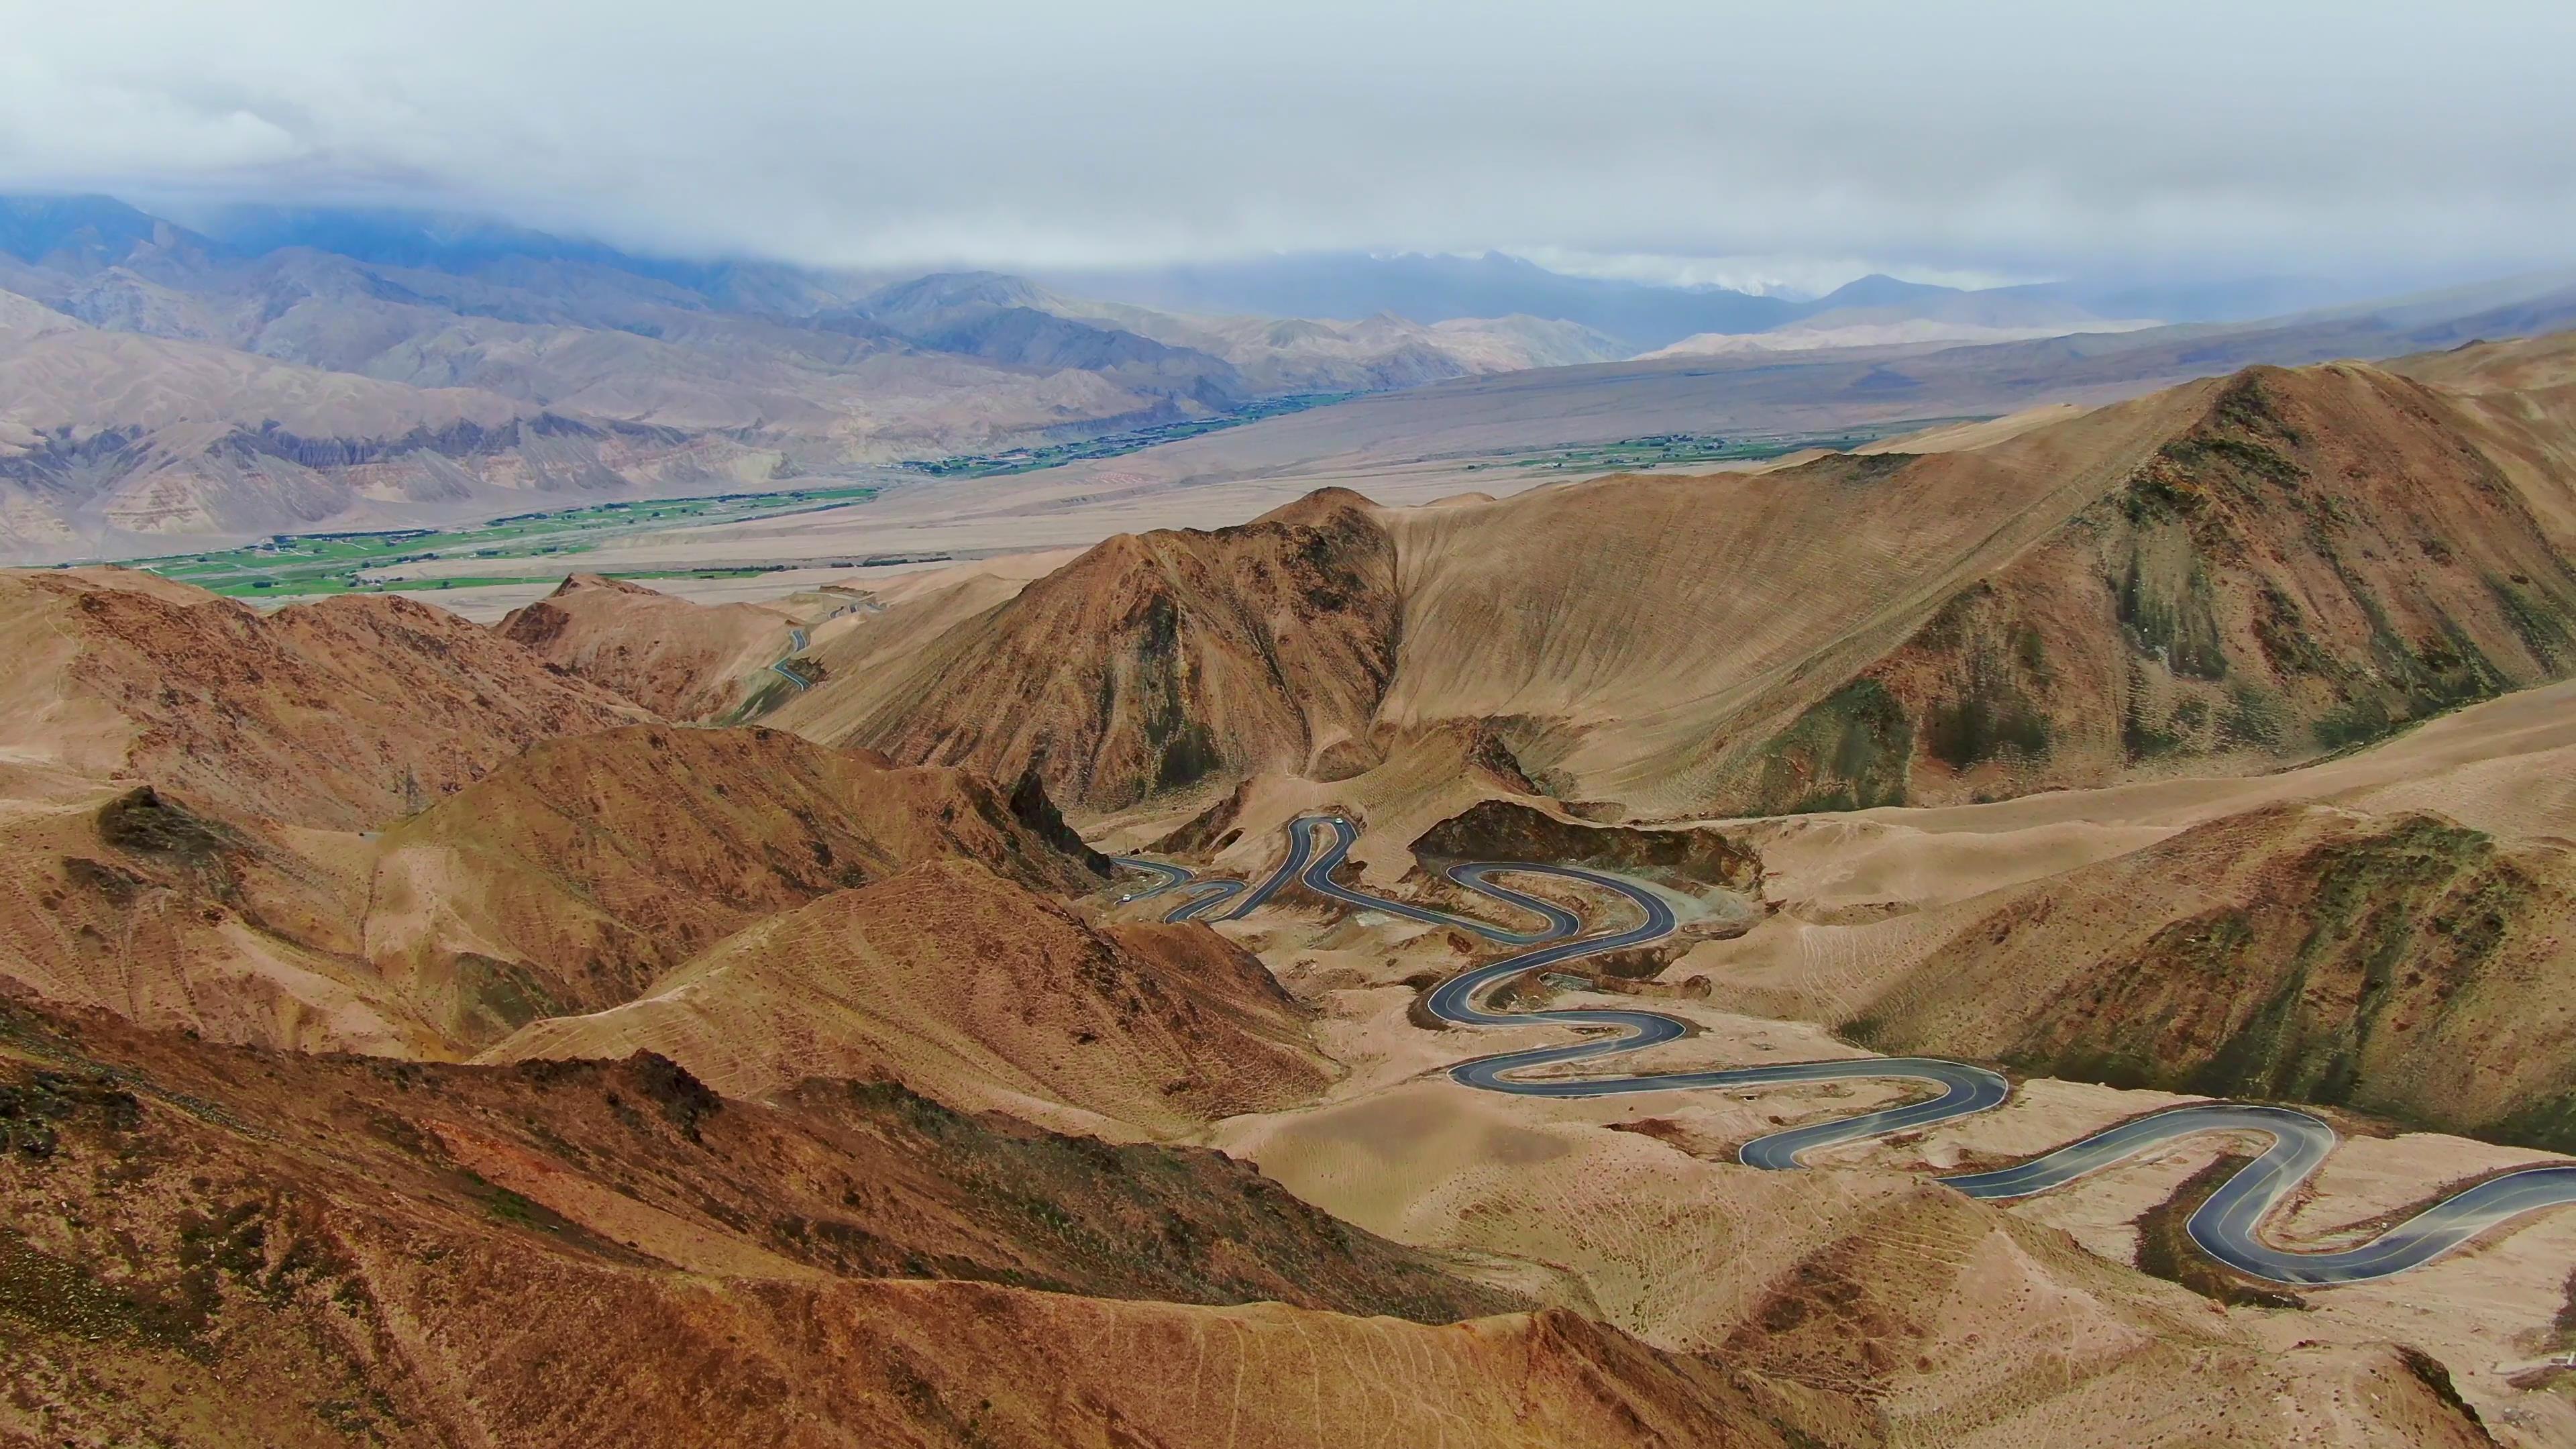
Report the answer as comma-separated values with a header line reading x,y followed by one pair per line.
x,y
2227,1225
795,646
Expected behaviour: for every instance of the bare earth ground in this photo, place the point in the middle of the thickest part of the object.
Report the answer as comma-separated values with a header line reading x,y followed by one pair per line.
x,y
1633,1208
2014,1328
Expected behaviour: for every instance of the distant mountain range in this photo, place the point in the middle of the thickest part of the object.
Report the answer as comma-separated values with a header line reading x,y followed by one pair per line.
x,y
286,370
1647,316
272,370
1426,288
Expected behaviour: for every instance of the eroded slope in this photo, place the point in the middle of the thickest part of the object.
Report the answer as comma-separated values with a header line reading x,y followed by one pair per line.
x,y
976,991
343,714
290,1250
2398,964
679,659
1151,663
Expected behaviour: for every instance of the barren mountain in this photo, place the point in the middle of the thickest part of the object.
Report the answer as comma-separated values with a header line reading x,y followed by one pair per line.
x,y
571,877
680,660
299,1250
195,790
342,714
2523,394
178,919
1006,318
2397,964
2229,575
1151,663
166,386
978,992
2313,559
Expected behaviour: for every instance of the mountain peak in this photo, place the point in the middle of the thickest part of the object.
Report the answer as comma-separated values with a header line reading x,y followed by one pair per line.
x,y
1880,290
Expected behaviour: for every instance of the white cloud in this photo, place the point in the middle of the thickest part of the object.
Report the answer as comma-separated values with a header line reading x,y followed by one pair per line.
x,y
1774,144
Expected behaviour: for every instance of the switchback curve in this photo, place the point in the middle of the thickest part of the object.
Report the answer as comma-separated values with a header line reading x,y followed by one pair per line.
x,y
2227,1225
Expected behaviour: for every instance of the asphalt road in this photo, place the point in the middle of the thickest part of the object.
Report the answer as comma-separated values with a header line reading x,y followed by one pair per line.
x,y
795,646
2227,1226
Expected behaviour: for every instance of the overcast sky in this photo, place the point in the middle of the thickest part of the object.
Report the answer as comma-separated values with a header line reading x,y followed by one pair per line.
x,y
1784,142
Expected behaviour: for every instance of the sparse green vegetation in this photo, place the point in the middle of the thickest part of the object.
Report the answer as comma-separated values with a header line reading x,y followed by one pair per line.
x,y
2544,633
2252,717
306,565
1852,750
2373,905
2179,624
1114,445
1989,719
1665,450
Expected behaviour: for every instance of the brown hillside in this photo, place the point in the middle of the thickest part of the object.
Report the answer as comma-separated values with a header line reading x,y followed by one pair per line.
x,y
565,880
1152,662
679,659
2317,558
2071,1350
298,1251
2228,575
1948,1321
2398,964
571,877
343,714
173,918
2523,395
978,992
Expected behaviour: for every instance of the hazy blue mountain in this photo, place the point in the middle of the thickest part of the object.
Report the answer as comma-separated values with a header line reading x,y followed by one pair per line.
x,y
83,233
1437,289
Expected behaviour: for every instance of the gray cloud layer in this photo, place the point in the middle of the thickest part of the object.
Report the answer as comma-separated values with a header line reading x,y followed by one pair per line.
x,y
2017,138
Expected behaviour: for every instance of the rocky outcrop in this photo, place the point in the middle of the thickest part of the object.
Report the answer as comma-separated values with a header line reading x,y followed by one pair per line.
x,y
1508,830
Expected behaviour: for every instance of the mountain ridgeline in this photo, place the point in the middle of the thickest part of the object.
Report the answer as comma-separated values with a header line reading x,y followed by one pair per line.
x,y
2229,575
300,372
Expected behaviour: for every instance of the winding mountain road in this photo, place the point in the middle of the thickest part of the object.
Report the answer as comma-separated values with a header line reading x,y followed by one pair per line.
x,y
2227,1225
795,646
